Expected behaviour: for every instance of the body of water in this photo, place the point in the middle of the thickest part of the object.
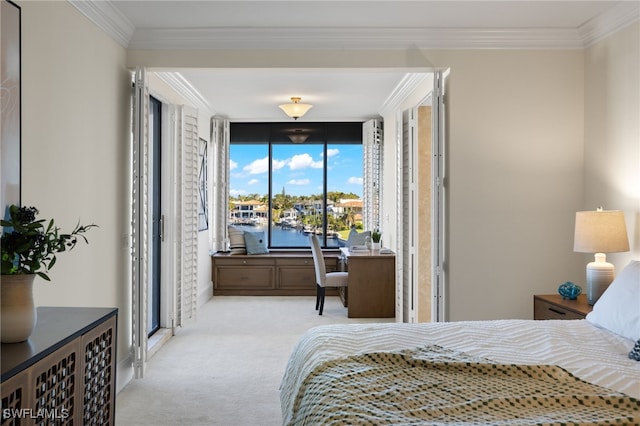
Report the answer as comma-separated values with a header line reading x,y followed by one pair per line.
x,y
290,237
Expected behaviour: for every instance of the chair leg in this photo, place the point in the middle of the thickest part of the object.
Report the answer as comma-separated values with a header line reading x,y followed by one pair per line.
x,y
322,291
318,289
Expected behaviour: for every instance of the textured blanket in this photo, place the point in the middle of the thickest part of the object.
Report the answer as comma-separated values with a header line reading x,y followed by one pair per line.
x,y
436,386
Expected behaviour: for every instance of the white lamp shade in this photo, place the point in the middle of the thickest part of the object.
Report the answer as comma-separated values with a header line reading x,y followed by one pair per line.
x,y
600,232
295,109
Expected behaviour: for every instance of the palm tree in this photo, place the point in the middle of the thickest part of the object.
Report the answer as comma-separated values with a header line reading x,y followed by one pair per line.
x,y
349,218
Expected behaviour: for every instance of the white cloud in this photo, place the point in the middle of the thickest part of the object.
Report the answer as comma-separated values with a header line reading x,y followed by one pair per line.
x,y
332,152
298,182
278,164
232,164
303,161
261,165
253,181
355,180
236,192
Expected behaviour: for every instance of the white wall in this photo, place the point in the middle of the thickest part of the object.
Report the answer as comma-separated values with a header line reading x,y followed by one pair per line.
x,y
612,133
76,112
515,176
515,158
75,154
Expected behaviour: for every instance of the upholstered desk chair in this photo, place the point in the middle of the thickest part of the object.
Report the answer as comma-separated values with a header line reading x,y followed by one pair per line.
x,y
324,279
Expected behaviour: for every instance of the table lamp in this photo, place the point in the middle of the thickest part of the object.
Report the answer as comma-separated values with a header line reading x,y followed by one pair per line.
x,y
600,232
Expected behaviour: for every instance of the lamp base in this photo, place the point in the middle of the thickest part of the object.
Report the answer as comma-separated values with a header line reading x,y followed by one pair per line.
x,y
599,275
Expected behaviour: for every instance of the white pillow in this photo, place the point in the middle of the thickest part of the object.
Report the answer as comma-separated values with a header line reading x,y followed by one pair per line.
x,y
618,309
256,242
236,240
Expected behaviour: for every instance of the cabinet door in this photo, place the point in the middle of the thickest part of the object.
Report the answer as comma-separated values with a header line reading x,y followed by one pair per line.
x,y
99,371
55,383
16,397
244,274
296,274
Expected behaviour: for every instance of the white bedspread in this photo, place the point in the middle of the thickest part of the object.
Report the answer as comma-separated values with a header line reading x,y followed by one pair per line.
x,y
590,353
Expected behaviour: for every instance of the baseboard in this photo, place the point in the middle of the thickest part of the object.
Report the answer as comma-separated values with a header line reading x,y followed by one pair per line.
x,y
124,373
206,294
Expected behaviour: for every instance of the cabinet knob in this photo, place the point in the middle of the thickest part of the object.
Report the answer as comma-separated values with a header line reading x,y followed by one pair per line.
x,y
244,262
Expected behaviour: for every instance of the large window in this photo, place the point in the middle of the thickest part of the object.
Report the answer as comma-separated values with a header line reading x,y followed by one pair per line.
x,y
291,190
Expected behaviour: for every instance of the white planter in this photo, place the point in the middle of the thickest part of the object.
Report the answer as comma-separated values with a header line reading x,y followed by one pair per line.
x,y
376,246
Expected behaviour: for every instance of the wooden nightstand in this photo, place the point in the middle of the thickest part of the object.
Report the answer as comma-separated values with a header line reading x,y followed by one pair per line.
x,y
553,306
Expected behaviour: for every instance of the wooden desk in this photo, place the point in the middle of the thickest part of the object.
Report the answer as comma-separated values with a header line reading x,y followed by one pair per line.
x,y
372,284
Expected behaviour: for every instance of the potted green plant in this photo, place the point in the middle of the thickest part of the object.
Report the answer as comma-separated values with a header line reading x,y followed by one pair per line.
x,y
375,239
28,249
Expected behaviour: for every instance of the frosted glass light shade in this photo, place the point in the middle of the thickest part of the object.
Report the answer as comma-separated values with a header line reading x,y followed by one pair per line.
x,y
295,109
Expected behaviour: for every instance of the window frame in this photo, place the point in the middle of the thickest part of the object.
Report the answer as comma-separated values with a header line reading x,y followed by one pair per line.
x,y
271,191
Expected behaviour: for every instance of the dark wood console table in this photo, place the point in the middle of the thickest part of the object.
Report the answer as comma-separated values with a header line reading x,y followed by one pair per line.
x,y
65,374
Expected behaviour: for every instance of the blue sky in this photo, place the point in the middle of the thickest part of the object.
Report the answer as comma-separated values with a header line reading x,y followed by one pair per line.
x,y
297,168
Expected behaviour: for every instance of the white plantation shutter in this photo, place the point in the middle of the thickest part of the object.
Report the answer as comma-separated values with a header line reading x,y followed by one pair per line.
x,y
187,217
220,199
410,200
372,171
439,197
407,252
139,220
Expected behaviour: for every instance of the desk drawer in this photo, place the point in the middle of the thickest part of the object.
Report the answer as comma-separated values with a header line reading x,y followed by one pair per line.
x,y
244,261
243,278
295,261
547,311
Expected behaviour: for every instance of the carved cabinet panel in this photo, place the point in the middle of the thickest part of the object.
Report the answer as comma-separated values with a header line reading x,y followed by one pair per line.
x,y
65,373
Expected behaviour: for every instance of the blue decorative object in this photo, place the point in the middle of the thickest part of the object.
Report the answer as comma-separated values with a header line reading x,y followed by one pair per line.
x,y
569,290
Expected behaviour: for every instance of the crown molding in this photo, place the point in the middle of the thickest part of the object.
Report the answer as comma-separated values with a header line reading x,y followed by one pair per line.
x,y
108,18
403,90
354,38
105,15
622,15
181,86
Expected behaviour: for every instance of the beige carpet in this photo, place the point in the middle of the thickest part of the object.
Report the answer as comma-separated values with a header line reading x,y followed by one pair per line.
x,y
225,369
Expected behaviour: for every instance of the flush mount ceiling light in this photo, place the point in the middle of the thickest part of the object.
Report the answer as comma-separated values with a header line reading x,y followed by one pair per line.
x,y
298,136
295,109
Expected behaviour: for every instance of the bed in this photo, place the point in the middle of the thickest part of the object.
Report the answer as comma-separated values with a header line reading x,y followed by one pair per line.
x,y
473,372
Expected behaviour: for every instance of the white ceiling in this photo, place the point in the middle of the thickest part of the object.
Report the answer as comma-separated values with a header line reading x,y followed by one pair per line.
x,y
253,95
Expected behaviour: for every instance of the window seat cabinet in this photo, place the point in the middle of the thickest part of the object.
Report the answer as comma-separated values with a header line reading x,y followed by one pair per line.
x,y
273,274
